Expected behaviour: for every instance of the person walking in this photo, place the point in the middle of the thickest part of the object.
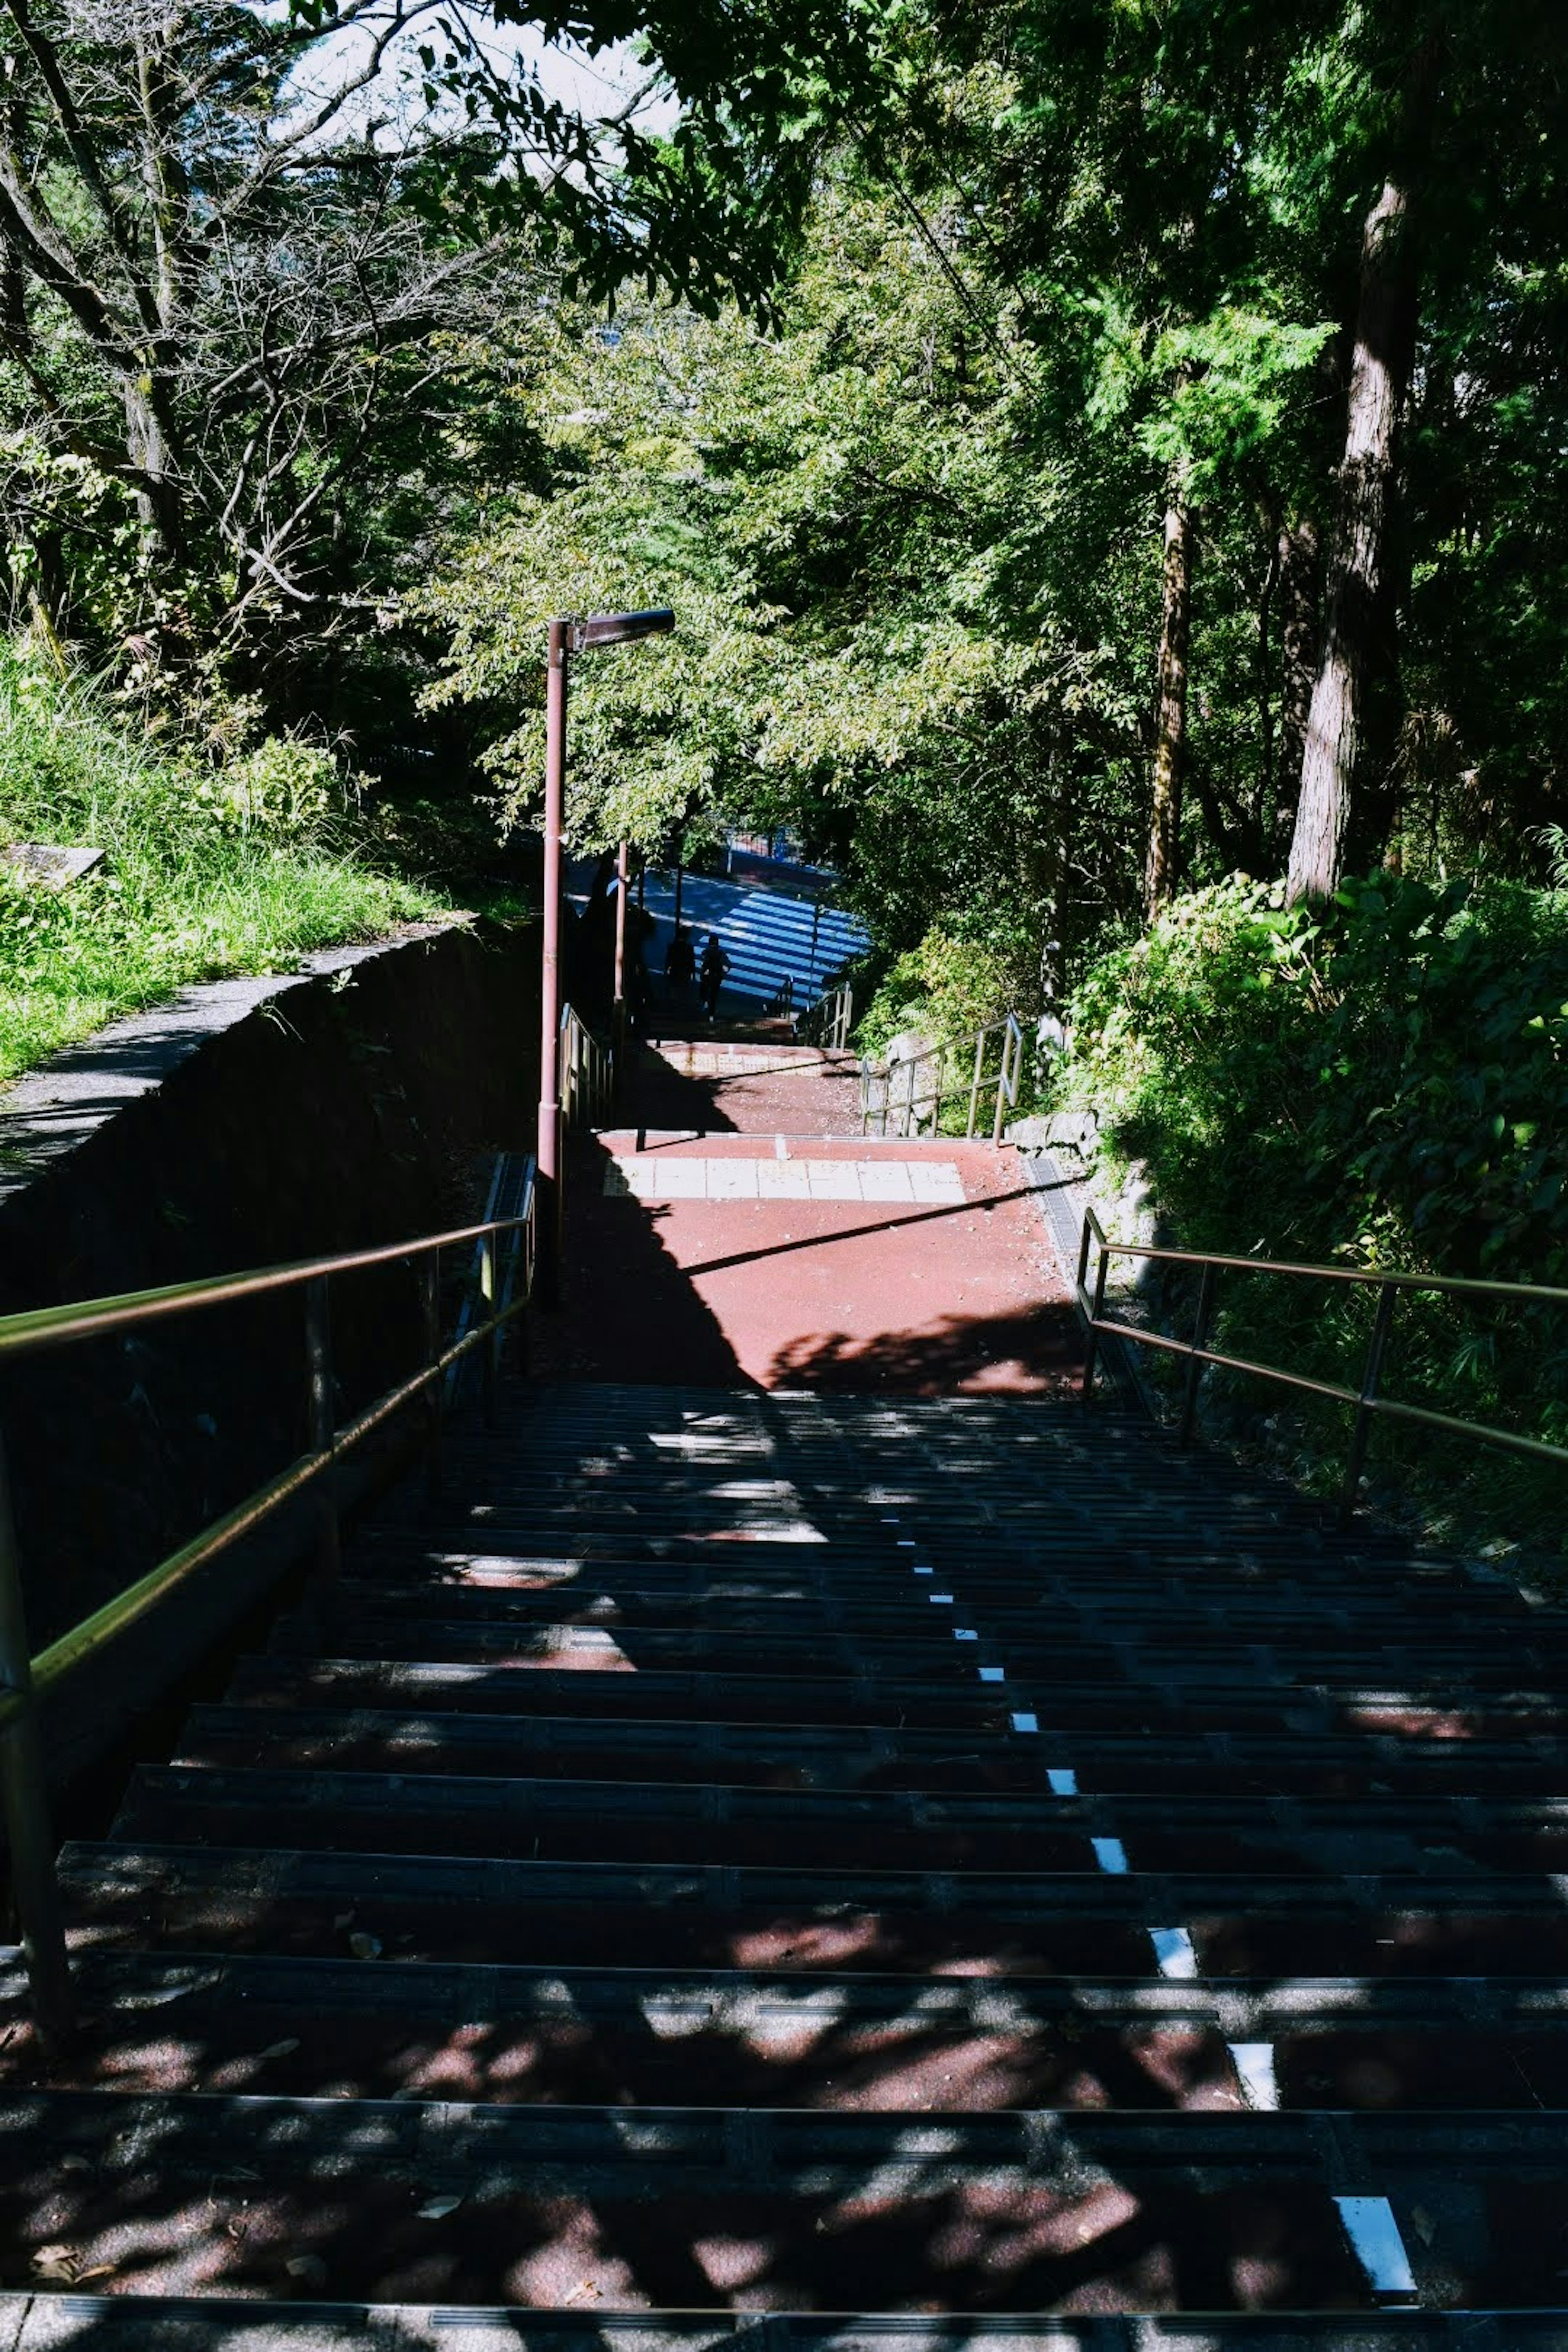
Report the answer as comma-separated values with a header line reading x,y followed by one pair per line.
x,y
715,964
679,962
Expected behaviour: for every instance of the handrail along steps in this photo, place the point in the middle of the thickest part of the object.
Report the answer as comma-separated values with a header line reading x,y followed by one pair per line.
x,y
505,1255
920,1101
1367,1400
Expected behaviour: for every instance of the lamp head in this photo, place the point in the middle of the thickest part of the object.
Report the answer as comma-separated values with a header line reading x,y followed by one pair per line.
x,y
620,628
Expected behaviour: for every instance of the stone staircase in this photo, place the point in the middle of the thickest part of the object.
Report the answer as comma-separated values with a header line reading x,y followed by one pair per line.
x,y
833,1873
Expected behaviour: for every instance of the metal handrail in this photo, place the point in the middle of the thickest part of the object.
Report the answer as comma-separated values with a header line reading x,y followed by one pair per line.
x,y
1366,1400
25,1679
919,1099
829,1022
587,1072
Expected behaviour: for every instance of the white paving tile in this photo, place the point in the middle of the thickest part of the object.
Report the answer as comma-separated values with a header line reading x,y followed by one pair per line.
x,y
679,1179
658,1176
834,1180
885,1179
783,1179
731,1180
936,1180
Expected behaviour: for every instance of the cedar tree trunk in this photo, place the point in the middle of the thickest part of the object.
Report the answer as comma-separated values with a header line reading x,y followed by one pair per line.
x,y
1297,594
1170,741
1384,325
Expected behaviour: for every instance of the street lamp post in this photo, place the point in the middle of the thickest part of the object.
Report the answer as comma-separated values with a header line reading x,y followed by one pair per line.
x,y
566,637
618,1014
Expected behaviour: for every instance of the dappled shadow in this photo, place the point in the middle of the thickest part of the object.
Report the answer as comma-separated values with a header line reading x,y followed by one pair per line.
x,y
816,2054
1039,1349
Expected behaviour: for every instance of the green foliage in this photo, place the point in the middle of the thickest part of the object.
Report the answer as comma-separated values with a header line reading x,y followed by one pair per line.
x,y
951,984
209,871
884,636
1385,1084
1390,1074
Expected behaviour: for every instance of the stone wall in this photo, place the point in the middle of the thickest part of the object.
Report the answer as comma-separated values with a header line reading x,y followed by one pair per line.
x,y
249,1123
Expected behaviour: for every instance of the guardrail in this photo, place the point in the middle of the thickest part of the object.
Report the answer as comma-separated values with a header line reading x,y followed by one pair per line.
x,y
829,1022
587,1072
504,1253
910,1101
1367,1402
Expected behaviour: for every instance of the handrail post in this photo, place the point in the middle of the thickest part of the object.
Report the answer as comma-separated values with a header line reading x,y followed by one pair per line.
x,y
1091,1351
488,1294
319,1420
1360,1430
975,1084
28,1836
1007,1077
547,1158
1194,1366
430,1337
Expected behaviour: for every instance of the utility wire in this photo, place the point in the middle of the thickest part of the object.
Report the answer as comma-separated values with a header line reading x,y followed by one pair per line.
x,y
923,227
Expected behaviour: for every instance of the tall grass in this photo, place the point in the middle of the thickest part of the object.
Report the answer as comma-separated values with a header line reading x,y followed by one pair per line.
x,y
208,871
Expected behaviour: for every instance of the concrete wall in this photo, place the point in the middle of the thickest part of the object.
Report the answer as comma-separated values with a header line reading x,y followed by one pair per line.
x,y
249,1123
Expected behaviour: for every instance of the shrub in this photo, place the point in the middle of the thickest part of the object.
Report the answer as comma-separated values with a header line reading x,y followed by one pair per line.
x,y
1384,1082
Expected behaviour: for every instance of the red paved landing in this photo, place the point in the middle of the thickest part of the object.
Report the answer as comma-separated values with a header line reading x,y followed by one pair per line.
x,y
794,1257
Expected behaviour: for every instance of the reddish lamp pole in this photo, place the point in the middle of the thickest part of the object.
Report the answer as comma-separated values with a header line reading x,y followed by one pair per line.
x,y
623,882
566,637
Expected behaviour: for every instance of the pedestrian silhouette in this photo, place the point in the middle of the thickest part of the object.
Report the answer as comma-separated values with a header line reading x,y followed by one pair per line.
x,y
715,964
679,961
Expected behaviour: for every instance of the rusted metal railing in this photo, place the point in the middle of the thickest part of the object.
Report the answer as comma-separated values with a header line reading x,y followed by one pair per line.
x,y
1366,1400
505,1253
896,1100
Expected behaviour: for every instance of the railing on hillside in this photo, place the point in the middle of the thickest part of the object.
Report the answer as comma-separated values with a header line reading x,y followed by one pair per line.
x,y
907,1097
1367,1402
587,1072
829,1022
504,1260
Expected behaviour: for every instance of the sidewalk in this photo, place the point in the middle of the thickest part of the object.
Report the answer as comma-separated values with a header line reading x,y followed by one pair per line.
x,y
738,1230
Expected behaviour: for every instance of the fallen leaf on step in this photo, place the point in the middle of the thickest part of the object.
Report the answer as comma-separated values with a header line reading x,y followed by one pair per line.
x,y
284,2049
56,2263
435,2209
363,1947
308,2267
585,2288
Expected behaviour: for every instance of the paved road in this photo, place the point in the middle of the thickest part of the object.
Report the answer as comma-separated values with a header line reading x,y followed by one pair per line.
x,y
769,939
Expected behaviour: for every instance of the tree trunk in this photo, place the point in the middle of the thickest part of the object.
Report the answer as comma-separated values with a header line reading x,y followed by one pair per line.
x,y
160,503
1385,336
1170,741
1299,604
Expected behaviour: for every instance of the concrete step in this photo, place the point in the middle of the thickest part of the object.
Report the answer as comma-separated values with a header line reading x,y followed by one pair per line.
x,y
855,1699
346,2028
1234,1706
790,1756
762,2209
881,1605
220,2323
551,1820
919,1646
1009,1923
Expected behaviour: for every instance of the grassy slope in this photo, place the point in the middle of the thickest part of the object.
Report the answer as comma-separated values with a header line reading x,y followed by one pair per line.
x,y
206,874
